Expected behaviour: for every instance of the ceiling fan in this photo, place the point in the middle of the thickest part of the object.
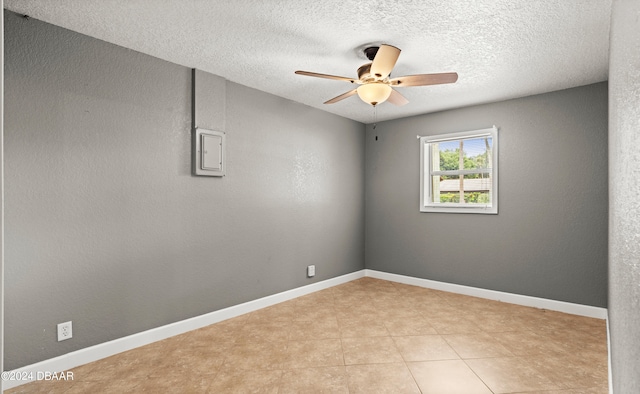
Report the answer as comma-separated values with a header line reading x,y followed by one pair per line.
x,y
373,78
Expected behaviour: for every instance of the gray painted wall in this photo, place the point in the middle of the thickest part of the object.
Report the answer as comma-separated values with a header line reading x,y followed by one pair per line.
x,y
549,238
624,189
106,226
1,190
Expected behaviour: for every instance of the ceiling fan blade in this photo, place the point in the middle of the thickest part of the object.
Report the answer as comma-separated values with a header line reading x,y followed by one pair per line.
x,y
397,99
424,79
327,76
342,96
385,59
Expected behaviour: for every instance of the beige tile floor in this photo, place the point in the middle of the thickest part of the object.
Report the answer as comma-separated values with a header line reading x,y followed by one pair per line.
x,y
366,336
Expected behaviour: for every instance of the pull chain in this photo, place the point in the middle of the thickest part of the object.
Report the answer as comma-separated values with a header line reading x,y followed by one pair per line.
x,y
375,116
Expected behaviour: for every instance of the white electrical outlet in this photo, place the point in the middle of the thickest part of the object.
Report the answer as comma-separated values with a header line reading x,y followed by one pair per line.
x,y
64,331
311,271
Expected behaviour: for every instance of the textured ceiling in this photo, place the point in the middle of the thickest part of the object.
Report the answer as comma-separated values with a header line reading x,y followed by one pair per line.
x,y
500,49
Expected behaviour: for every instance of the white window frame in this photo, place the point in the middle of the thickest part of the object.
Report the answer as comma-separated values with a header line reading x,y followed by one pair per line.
x,y
426,171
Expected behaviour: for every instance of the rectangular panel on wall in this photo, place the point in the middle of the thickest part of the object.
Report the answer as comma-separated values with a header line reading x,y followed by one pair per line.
x,y
209,153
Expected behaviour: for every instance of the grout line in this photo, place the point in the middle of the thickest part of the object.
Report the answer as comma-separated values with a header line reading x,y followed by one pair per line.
x,y
478,376
412,375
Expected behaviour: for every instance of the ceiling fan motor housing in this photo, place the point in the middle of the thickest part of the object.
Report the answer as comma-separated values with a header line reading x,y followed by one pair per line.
x,y
370,52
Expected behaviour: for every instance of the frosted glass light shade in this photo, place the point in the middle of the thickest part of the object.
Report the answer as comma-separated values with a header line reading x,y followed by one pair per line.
x,y
374,93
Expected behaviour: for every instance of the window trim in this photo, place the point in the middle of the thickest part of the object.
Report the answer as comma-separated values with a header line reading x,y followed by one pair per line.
x,y
426,166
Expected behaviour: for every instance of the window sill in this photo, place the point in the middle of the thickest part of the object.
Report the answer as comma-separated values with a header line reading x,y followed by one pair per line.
x,y
460,209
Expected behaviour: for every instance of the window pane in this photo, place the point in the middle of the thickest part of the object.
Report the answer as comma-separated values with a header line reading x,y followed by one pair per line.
x,y
449,154
476,154
476,189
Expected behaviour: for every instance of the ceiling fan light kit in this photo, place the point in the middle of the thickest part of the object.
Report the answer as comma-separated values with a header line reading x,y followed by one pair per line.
x,y
375,86
374,93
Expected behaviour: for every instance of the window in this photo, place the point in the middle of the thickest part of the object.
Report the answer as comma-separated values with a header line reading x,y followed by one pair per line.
x,y
459,172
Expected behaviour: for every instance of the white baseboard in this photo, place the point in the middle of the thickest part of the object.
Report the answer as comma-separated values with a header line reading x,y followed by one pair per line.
x,y
543,303
103,350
